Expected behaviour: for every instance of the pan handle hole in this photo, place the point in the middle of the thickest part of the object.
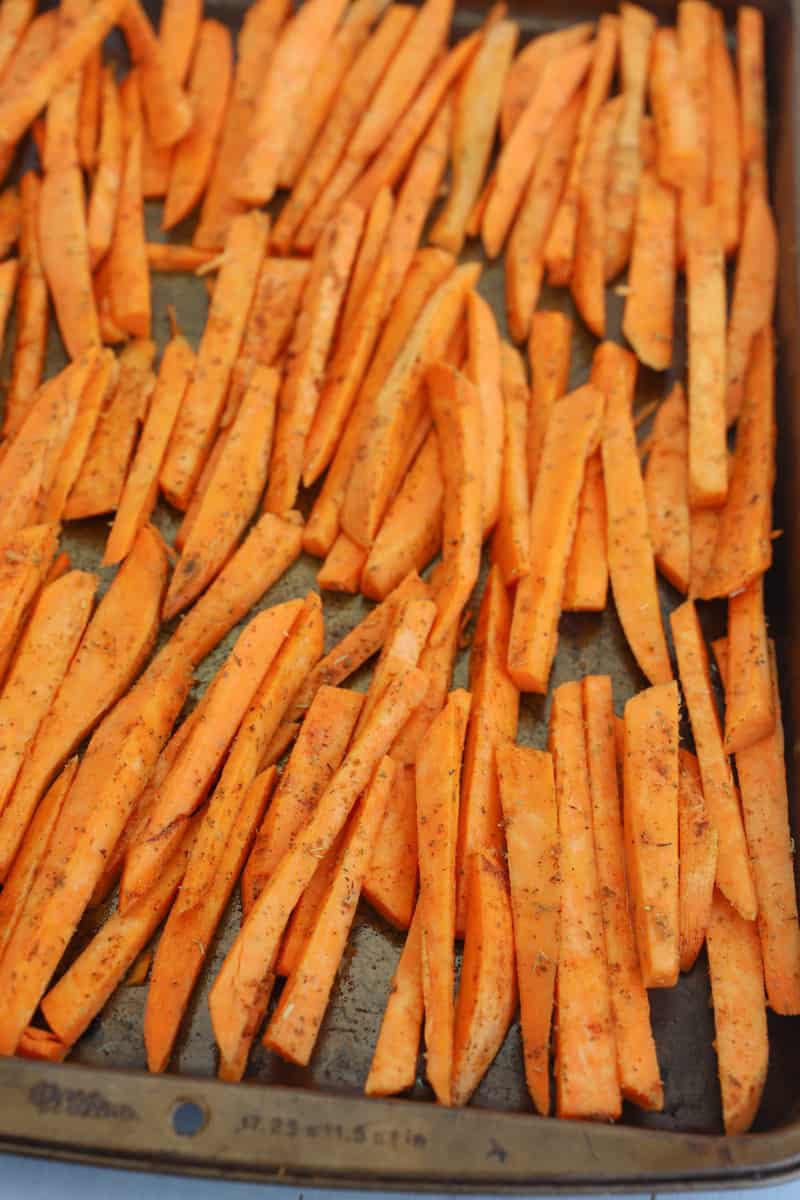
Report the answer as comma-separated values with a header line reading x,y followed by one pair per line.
x,y
188,1118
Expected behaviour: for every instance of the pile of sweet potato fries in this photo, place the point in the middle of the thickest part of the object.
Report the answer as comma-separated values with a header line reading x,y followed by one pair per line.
x,y
341,353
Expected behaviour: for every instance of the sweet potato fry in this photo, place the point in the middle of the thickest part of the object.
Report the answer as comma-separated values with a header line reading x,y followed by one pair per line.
x,y
525,779
752,97
10,219
705,276
725,184
212,72
25,560
549,356
525,73
108,177
237,987
171,258
390,885
740,1019
359,84
254,49
61,564
201,410
129,282
585,1029
9,273
586,580
749,701
369,255
400,651
31,315
753,296
630,552
484,369
293,1029
587,282
141,484
394,1063
302,44
639,1076
650,303
65,258
571,436
231,496
41,661
304,918
511,541
117,641
697,840
734,873
651,829
34,47
437,821
694,43
96,393
666,489
524,259
457,416
477,109
625,160
341,570
762,777
98,487
178,28
14,21
61,130
673,112
743,549
703,530
167,109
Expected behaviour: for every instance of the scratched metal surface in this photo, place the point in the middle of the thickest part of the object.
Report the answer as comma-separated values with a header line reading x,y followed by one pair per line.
x,y
682,1017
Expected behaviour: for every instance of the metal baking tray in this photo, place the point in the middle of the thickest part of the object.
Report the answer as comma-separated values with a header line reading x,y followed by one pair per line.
x,y
313,1126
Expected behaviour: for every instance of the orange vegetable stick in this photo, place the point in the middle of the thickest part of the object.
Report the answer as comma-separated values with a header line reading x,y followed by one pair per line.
x,y
393,159
295,1024
234,688
752,96
697,840
328,75
232,494
32,311
311,343
651,829
673,112
570,438
304,918
705,278
10,219
636,1052
666,488
484,369
428,270
477,108
183,944
129,282
725,184
694,43
190,170
98,487
749,702
168,110
38,1044
178,29
201,410
394,406
743,549
369,255
525,73
394,1063
650,302
559,250
457,416
93,396
65,258
14,20
549,355
345,374
25,560
255,46
734,874
703,530
418,193
492,724
625,160
740,1019
528,238
341,570
61,131
525,778
41,661
9,272
631,564
400,651
586,580
587,282
753,296
303,43
140,490
437,826
358,85
237,986
33,49
108,176
18,108
762,776
391,882
511,541
171,258
487,994
561,79
33,850
585,1028
117,641
61,564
